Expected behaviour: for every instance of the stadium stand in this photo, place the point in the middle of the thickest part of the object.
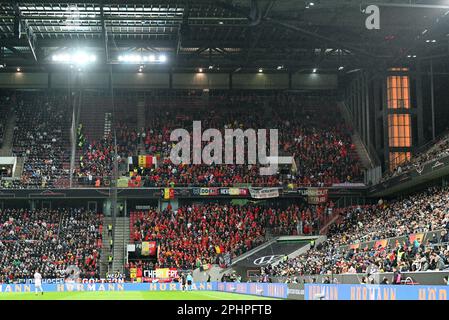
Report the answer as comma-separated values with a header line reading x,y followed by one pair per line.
x,y
198,234
91,93
51,241
419,213
320,145
5,104
41,137
431,152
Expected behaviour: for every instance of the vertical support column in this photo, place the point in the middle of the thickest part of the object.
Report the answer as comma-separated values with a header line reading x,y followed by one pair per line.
x,y
357,103
110,82
385,121
432,99
360,104
368,141
377,115
354,103
114,178
419,104
73,128
363,107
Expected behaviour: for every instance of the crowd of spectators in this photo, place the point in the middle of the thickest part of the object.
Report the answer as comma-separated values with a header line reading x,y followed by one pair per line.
x,y
52,241
418,213
318,140
5,105
315,136
437,150
95,161
41,137
197,234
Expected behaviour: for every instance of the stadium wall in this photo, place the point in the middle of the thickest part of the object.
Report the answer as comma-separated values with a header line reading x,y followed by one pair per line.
x,y
417,278
374,292
274,290
165,80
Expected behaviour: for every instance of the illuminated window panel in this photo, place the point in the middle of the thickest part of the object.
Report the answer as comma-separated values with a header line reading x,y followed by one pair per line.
x,y
399,131
398,92
397,158
399,125
398,69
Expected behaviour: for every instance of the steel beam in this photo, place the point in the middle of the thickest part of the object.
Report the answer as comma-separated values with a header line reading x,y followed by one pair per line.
x,y
104,34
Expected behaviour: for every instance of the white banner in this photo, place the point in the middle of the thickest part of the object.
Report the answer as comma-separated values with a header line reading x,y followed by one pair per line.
x,y
265,193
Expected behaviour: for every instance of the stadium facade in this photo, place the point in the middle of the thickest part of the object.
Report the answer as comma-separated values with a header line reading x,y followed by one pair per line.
x,y
90,94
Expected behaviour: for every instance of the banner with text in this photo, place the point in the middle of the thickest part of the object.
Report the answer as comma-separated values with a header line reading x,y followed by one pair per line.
x,y
374,292
265,193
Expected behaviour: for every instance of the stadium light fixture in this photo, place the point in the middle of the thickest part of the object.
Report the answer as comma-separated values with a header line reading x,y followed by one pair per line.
x,y
309,4
139,59
78,58
162,58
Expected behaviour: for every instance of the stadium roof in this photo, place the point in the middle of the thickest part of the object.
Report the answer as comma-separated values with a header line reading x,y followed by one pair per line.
x,y
227,35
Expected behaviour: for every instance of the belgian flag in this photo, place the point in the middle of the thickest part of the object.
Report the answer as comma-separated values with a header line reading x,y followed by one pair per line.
x,y
169,193
145,161
141,161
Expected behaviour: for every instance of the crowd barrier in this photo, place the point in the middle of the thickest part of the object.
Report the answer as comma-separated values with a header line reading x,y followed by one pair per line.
x,y
275,290
417,278
374,292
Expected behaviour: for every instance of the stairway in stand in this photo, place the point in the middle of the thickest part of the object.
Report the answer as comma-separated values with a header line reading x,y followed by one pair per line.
x,y
6,149
141,121
105,250
19,168
121,240
107,124
360,152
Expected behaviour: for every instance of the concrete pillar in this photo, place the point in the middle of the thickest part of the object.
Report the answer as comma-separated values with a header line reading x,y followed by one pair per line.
x,y
385,119
377,115
419,104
